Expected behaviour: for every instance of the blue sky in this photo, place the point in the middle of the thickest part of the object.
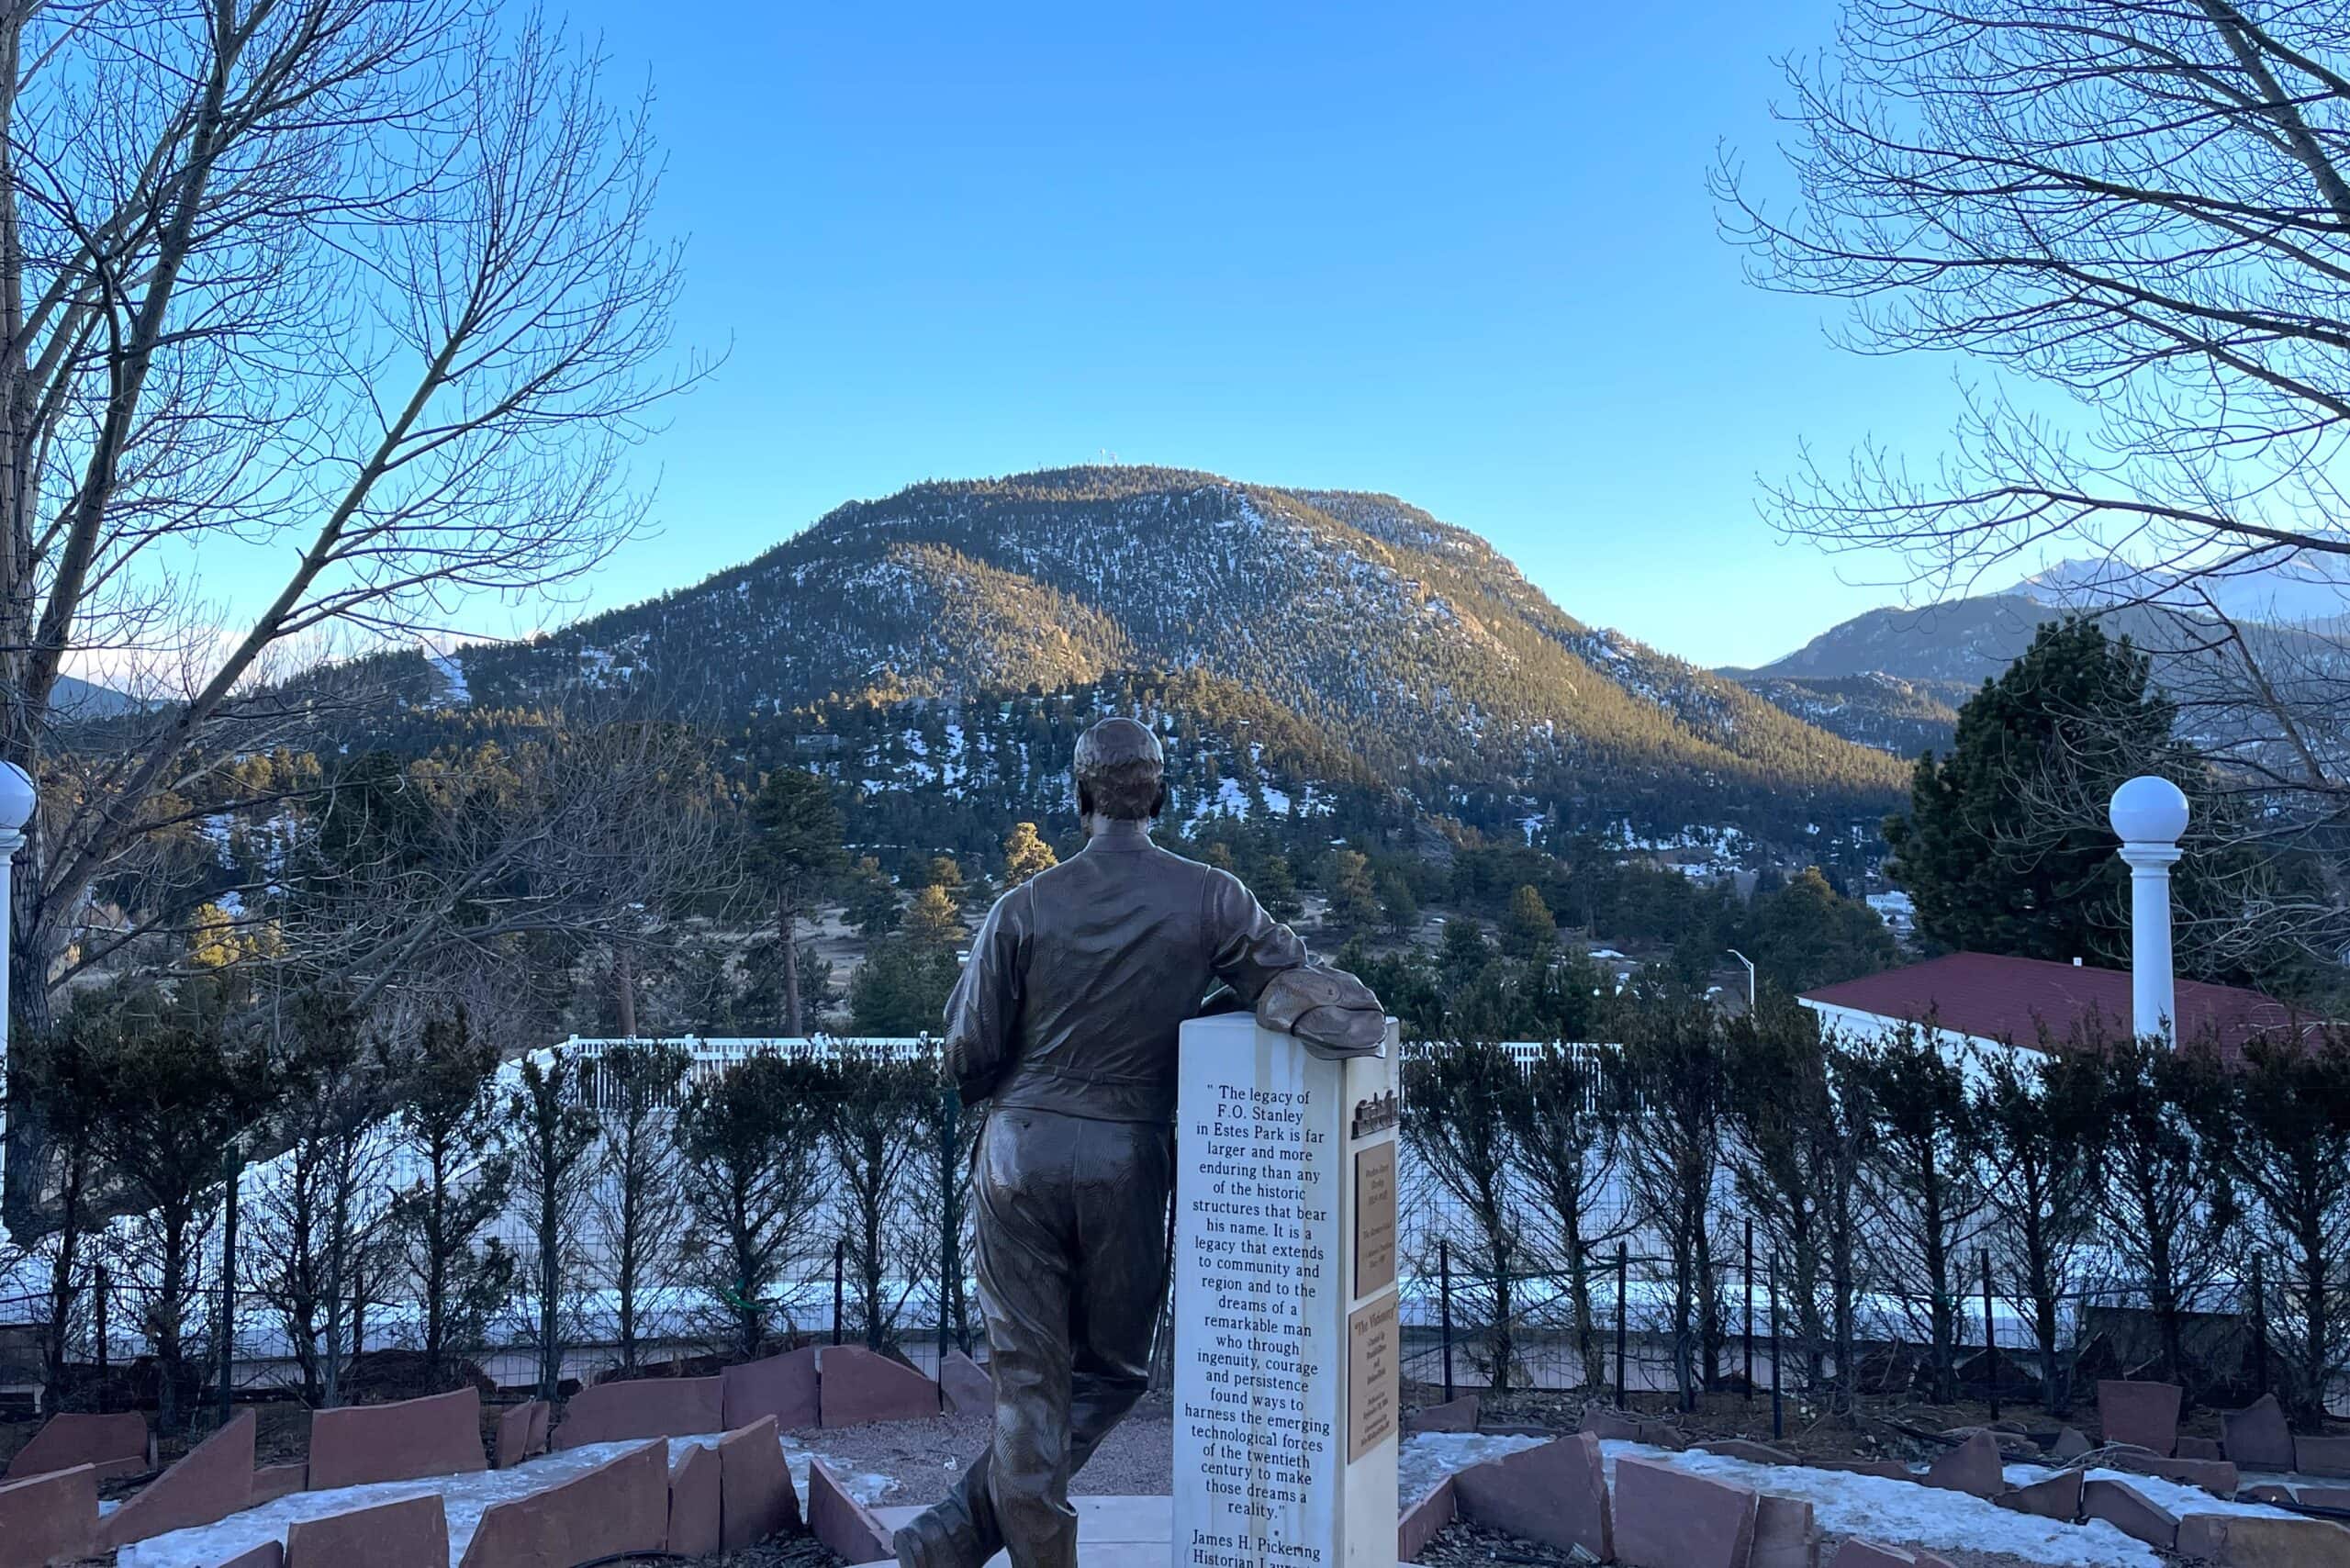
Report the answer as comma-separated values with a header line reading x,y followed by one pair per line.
x,y
1463,253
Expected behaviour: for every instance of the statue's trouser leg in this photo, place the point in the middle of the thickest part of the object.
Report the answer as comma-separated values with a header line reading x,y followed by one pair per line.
x,y
1072,1265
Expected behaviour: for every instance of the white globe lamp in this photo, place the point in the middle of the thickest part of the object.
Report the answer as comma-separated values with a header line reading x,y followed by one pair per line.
x,y
2148,811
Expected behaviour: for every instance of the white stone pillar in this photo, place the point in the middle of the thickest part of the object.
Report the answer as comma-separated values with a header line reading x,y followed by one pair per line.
x,y
1287,1342
16,803
2148,815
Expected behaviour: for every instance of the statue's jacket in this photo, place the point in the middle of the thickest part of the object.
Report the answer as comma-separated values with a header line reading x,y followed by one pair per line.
x,y
1081,977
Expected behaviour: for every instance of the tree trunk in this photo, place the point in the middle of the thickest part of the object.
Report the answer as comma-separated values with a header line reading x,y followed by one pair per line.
x,y
62,1292
550,1284
787,924
624,989
1587,1358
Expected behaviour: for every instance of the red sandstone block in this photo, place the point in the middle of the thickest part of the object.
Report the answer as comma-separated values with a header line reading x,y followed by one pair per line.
x,y
782,1386
2144,1413
1423,1520
1609,1425
756,1498
1972,1467
2210,1450
271,1482
694,1504
214,1481
2129,1511
621,1506
2236,1540
971,1391
116,1445
1669,1518
1556,1494
515,1425
49,1517
841,1522
541,1419
2057,1497
357,1444
2257,1436
1857,1553
2324,1497
410,1533
1783,1535
854,1386
2321,1456
268,1554
642,1407
1738,1448
1453,1416
2215,1476
1886,1469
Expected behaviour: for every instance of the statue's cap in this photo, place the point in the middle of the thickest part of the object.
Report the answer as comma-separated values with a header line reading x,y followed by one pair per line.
x,y
1117,743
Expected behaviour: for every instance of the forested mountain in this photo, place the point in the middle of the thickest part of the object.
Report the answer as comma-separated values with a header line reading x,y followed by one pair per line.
x,y
1904,717
1363,628
1966,640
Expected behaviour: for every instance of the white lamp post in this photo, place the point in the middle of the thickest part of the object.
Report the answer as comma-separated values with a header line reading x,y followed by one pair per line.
x,y
2148,815
15,810
1749,976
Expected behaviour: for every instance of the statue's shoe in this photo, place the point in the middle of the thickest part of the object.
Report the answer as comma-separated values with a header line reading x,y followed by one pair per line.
x,y
928,1541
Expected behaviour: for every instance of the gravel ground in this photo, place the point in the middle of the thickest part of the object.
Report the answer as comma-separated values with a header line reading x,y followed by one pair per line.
x,y
1461,1544
923,1458
790,1551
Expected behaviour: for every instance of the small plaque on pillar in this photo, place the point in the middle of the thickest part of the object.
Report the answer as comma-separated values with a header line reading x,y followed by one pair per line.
x,y
1374,1218
1371,1376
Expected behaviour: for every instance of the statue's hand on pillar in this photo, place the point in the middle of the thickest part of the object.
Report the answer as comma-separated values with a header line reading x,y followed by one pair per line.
x,y
1330,1011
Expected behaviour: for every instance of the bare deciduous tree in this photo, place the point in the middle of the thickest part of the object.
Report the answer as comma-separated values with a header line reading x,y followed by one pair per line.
x,y
368,284
2143,208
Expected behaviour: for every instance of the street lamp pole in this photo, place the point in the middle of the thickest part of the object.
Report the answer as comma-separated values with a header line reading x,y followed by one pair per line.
x,y
1749,976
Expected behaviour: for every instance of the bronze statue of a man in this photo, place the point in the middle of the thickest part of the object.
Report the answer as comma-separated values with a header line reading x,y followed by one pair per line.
x,y
1065,1023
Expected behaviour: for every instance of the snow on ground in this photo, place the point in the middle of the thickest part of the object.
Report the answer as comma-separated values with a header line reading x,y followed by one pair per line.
x,y
466,1498
455,692
1880,1508
1426,1457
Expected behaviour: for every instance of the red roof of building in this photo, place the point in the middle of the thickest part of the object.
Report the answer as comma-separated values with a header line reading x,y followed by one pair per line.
x,y
2010,999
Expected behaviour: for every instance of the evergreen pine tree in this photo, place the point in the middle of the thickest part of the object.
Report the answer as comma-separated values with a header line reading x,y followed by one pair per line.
x,y
797,843
1529,930
1990,852
1025,854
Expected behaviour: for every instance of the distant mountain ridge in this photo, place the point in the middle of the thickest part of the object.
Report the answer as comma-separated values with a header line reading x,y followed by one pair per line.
x,y
1397,638
1877,677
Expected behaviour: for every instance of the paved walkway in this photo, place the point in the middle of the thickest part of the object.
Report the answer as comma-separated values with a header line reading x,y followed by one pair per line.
x,y
1111,1533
